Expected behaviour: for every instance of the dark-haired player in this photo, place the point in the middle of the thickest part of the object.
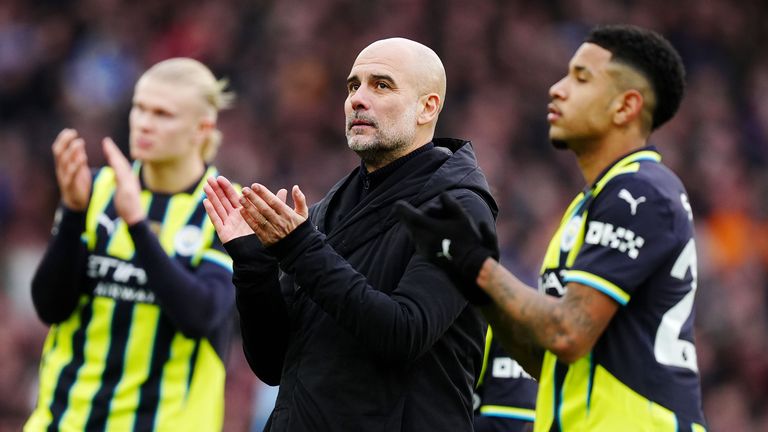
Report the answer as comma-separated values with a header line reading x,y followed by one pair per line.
x,y
613,343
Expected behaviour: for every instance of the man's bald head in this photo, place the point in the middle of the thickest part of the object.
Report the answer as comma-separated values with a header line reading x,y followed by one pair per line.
x,y
421,65
395,93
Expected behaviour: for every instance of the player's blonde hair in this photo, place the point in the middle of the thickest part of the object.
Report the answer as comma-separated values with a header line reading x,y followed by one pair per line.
x,y
187,71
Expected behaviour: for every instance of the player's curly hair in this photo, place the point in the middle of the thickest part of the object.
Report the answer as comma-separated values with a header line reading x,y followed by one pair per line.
x,y
651,55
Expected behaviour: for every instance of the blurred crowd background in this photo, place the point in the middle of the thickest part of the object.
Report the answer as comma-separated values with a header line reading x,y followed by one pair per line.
x,y
73,63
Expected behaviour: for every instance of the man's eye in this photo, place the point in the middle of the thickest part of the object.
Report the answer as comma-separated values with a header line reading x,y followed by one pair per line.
x,y
382,85
353,87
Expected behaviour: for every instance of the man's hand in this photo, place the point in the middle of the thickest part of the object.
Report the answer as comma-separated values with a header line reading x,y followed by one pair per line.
x,y
128,188
72,171
448,238
269,216
222,203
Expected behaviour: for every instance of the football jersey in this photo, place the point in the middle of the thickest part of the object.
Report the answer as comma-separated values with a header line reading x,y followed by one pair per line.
x,y
630,236
118,362
505,395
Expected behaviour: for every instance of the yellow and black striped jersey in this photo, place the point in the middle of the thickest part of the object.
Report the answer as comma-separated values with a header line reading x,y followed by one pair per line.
x,y
630,236
138,352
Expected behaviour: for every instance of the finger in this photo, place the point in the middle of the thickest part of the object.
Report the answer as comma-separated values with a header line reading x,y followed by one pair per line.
x,y
215,202
299,202
213,215
217,196
282,194
70,154
411,216
269,204
71,160
255,225
62,141
229,191
116,160
253,205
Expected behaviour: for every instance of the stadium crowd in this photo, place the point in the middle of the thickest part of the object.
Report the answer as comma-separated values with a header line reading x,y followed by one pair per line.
x,y
73,64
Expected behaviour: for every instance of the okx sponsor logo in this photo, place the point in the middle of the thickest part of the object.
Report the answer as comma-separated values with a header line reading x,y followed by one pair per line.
x,y
619,238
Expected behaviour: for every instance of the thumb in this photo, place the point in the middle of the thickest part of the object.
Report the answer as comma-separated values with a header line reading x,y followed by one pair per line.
x,y
299,202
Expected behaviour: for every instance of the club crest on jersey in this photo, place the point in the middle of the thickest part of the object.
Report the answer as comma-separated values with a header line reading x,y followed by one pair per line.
x,y
619,238
187,240
570,233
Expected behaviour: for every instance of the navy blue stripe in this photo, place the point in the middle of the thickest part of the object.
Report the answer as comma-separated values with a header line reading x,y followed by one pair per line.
x,y
561,370
68,374
149,394
192,361
103,237
113,370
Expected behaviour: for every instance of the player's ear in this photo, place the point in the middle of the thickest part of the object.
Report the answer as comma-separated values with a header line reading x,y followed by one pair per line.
x,y
628,107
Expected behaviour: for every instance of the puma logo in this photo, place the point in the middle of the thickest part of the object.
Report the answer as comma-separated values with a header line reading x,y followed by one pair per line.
x,y
445,253
633,203
107,223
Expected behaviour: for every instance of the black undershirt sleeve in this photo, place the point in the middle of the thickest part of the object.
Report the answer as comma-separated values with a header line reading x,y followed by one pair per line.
x,y
264,322
57,280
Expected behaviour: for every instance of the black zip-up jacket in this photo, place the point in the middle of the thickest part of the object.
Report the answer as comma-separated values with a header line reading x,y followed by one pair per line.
x,y
360,332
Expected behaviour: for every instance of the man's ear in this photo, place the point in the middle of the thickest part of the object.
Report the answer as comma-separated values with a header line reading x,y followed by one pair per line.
x,y
629,107
430,108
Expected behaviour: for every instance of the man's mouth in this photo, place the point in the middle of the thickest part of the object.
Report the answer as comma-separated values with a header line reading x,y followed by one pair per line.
x,y
361,123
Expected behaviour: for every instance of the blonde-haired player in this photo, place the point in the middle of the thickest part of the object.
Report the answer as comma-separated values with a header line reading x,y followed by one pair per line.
x,y
135,284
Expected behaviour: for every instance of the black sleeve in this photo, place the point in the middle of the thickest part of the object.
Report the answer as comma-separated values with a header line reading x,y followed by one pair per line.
x,y
398,326
195,302
263,314
57,280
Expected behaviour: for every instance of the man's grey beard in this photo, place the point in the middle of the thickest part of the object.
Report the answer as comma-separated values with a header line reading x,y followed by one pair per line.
x,y
378,154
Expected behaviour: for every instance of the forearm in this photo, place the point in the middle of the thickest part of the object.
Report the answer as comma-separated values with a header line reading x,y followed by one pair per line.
x,y
57,280
398,326
264,322
526,319
195,302
516,340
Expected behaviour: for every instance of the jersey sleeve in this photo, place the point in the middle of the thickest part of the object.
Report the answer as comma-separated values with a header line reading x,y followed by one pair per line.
x,y
629,231
506,397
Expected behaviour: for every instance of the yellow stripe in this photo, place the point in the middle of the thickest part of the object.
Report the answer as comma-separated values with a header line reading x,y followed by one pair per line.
x,y
103,188
121,244
545,397
138,358
552,256
57,353
97,339
176,216
486,351
204,408
507,411
598,283
698,428
627,165
173,390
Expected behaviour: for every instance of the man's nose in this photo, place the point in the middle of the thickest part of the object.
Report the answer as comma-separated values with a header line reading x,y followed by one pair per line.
x,y
359,100
557,91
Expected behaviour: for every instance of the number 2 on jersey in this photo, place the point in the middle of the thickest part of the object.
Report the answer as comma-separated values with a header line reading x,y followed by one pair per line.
x,y
668,348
